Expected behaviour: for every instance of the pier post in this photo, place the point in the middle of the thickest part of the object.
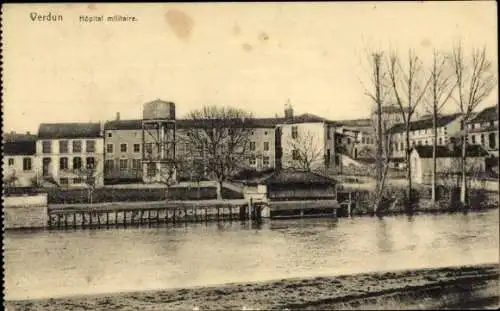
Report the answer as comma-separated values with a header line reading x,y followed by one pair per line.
x,y
50,219
116,217
58,220
349,204
107,218
65,220
141,216
74,219
206,214
82,214
124,218
158,215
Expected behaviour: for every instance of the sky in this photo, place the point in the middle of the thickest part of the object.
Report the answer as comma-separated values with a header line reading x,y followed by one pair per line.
x,y
252,56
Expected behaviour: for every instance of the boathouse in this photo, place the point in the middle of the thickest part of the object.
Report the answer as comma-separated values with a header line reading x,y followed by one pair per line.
x,y
292,193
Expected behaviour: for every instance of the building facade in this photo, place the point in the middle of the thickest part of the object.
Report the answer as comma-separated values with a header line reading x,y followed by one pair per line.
x,y
123,151
71,154
421,133
19,160
483,130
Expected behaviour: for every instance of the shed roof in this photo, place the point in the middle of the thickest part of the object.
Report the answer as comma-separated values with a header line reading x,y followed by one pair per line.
x,y
19,147
450,152
14,137
69,130
424,123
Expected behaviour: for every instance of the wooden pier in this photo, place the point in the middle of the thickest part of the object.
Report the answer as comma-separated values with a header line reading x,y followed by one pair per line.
x,y
102,217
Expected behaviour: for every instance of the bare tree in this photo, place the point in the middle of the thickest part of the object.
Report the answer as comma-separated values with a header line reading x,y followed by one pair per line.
x,y
222,135
378,91
440,90
475,80
89,176
408,87
306,152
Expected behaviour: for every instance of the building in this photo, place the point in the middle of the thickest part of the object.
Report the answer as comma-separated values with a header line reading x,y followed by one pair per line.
x,y
71,154
483,130
447,161
123,151
307,142
421,133
18,161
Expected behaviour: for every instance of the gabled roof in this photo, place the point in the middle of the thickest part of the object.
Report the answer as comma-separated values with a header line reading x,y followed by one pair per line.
x,y
486,115
123,125
25,147
356,123
450,152
247,122
424,124
69,130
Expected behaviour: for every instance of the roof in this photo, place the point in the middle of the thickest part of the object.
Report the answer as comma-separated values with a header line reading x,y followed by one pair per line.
x,y
453,152
286,177
486,115
356,123
424,123
123,125
19,147
69,130
391,109
12,136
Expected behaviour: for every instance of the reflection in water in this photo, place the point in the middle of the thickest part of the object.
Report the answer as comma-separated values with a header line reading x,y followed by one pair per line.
x,y
72,262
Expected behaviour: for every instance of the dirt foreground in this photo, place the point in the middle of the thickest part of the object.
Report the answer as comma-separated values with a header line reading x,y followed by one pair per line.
x,y
442,288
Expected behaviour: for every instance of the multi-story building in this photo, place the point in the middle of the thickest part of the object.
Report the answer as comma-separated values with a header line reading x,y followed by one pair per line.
x,y
308,142
483,130
18,161
421,133
71,154
123,150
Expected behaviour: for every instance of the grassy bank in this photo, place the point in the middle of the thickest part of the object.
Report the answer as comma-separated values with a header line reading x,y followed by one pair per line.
x,y
455,287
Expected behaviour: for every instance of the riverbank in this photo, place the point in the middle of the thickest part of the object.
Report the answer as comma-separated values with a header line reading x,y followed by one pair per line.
x,y
452,287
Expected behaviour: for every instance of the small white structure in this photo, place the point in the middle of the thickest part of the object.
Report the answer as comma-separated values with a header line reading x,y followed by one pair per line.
x,y
447,161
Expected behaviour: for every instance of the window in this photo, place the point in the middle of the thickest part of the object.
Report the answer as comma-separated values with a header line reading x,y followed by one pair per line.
x,y
64,181
461,124
11,162
402,146
109,148
482,139
492,140
26,164
362,139
110,134
253,160
63,146
440,140
90,162
63,163
90,146
77,180
426,142
252,145
109,165
295,132
151,169
265,133
266,146
473,139
77,163
46,146
265,161
328,134
137,148
149,148
472,126
123,164
420,143
123,147
253,132
295,154
77,146
136,164
395,147
412,143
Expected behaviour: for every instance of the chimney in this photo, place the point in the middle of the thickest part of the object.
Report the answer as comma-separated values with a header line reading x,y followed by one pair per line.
x,y
288,111
117,116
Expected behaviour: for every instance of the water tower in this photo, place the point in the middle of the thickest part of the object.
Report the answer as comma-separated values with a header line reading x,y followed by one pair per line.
x,y
158,141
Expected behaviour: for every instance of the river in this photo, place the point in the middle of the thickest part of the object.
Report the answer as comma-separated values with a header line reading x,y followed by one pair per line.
x,y
41,264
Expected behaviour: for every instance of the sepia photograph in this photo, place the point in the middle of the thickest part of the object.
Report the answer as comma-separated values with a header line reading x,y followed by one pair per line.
x,y
250,156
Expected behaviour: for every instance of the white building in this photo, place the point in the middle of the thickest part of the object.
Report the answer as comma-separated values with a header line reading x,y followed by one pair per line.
x,y
421,133
447,161
307,142
18,161
70,153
